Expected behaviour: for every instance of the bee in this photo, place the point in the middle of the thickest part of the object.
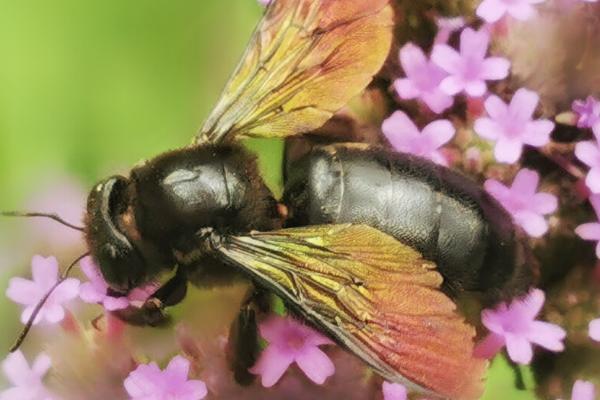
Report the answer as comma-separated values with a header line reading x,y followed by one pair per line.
x,y
366,245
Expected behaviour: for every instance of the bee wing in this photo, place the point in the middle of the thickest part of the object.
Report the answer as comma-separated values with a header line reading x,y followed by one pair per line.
x,y
376,296
305,60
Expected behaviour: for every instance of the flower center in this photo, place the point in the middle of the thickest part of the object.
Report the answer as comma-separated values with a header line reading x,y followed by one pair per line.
x,y
471,68
296,342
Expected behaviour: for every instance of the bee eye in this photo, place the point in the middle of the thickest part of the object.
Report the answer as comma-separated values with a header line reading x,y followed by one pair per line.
x,y
117,257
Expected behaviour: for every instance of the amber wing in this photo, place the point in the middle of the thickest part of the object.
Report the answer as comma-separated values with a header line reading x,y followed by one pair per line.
x,y
374,295
305,60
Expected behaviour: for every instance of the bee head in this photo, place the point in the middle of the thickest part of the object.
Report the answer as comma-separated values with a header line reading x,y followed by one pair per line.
x,y
113,240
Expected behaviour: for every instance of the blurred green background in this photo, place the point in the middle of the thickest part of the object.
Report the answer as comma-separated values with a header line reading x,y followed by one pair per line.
x,y
88,88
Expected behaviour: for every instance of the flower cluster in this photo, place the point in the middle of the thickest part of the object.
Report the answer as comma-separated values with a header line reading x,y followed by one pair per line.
x,y
514,326
511,126
30,292
148,381
523,202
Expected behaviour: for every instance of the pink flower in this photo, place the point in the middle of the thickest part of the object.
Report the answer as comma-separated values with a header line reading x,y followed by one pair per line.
x,y
291,341
446,27
591,230
512,126
514,326
30,292
595,330
521,200
492,10
583,390
26,381
394,391
264,2
469,69
588,152
588,111
95,291
148,382
404,136
423,79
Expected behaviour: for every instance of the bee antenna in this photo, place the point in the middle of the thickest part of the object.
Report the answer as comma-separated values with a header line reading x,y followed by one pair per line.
x,y
54,217
40,304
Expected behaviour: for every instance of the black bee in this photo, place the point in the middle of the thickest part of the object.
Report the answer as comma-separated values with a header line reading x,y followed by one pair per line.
x,y
367,245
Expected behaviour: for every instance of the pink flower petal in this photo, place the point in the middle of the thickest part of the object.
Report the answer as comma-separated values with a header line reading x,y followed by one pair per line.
x,y
438,158
548,336
115,303
406,89
526,181
538,132
508,150
592,180
532,303
271,365
44,271
315,364
519,349
495,68
439,132
394,391
596,127
475,88
544,203
534,224
144,380
148,382
496,189
595,329
178,367
412,59
474,43
67,290
16,368
193,390
41,364
23,291
270,329
315,338
437,101
589,231
452,85
524,103
496,108
491,10
487,128
489,346
588,112
89,294
594,199
588,153
399,124
53,313
28,312
583,390
446,58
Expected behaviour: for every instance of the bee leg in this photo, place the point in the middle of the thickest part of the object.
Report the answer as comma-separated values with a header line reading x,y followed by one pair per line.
x,y
243,346
152,311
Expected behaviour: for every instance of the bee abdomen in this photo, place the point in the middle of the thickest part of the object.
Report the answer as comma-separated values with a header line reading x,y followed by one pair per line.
x,y
442,214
